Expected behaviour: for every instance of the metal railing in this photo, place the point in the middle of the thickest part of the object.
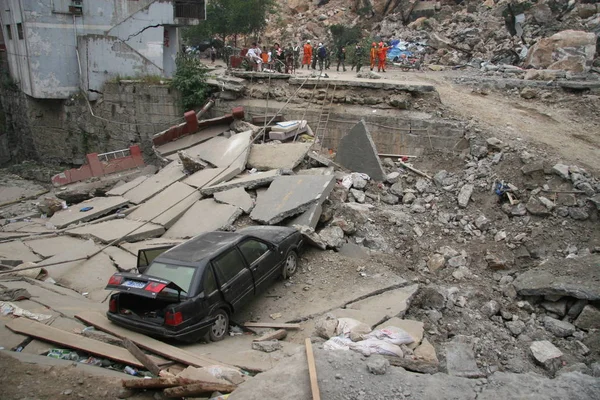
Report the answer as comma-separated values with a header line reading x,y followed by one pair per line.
x,y
190,9
113,155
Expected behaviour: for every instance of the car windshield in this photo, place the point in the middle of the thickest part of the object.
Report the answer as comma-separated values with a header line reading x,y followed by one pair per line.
x,y
178,274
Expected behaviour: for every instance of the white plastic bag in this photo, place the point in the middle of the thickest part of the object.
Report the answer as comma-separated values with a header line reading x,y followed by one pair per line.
x,y
376,346
391,335
351,328
337,343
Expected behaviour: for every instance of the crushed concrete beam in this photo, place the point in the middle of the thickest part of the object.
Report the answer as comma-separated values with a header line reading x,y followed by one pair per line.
x,y
204,216
291,195
236,197
170,174
264,157
100,206
247,181
110,231
166,207
357,152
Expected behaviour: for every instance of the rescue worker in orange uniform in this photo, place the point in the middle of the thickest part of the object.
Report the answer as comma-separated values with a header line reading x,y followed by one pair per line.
x,y
307,57
382,54
373,55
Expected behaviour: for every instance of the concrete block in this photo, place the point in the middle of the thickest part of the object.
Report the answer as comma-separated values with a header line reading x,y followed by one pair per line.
x,y
167,206
291,195
236,197
264,157
357,152
122,189
124,229
203,177
204,216
15,253
100,206
134,248
247,181
309,217
170,174
52,246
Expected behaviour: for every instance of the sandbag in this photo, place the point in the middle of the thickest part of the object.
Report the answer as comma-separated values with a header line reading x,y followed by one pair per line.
x,y
351,328
337,343
391,335
376,346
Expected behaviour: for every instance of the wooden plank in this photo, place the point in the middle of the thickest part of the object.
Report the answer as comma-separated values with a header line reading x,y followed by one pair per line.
x,y
199,388
72,341
277,335
312,371
145,342
273,325
156,383
143,358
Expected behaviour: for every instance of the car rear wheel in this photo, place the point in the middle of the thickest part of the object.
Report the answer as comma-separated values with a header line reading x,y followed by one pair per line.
x,y
220,327
290,265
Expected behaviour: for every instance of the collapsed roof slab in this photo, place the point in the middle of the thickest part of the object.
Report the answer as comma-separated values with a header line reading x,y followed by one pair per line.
x,y
357,152
170,174
264,157
109,231
291,195
247,181
99,206
166,207
134,248
124,188
204,216
192,140
236,197
203,177
15,253
52,246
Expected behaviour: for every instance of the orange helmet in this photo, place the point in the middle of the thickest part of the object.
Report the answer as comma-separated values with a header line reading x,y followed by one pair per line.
x,y
374,44
380,44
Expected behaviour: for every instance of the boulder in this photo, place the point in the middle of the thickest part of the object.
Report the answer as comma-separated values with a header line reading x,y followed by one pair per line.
x,y
568,50
546,354
558,328
589,318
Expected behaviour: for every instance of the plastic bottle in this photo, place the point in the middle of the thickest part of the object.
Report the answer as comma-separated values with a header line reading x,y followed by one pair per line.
x,y
130,371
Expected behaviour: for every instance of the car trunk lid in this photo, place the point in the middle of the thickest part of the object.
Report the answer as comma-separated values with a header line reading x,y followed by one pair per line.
x,y
142,285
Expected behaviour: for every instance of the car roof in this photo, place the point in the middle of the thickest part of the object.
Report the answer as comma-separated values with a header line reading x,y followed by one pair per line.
x,y
200,248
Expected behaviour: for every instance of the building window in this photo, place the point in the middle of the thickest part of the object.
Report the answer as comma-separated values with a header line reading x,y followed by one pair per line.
x,y
8,32
20,31
195,9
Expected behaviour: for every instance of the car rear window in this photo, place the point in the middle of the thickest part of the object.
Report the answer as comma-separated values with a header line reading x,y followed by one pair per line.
x,y
178,274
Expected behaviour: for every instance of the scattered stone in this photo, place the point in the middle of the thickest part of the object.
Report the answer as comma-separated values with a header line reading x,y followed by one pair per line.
x,y
439,177
388,163
357,152
267,346
546,354
393,177
578,213
495,143
577,367
333,236
490,308
478,148
408,198
547,202
359,195
501,235
460,359
465,194
576,308
358,181
422,185
535,207
587,188
495,262
532,167
556,307
390,199
589,318
558,328
482,223
377,365
458,261
516,327
435,262
528,93
517,211
397,189
561,170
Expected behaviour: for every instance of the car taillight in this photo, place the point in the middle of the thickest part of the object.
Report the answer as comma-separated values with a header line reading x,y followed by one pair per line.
x,y
112,306
155,287
115,280
173,318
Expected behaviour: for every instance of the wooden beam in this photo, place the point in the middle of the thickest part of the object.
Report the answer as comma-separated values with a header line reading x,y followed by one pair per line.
x,y
312,371
143,358
199,388
145,342
273,325
416,171
157,383
72,341
277,335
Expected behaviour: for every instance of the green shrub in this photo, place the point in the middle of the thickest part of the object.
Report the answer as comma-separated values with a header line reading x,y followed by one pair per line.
x,y
190,81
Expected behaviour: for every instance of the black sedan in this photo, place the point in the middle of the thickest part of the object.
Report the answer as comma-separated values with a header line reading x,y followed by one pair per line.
x,y
189,291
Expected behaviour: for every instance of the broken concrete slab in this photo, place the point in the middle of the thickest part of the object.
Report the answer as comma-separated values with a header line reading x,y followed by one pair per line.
x,y
236,197
562,277
264,157
357,152
546,354
309,217
192,140
134,248
124,188
231,154
203,177
247,181
49,247
460,359
167,206
124,229
393,303
100,206
15,253
170,174
291,195
122,259
316,171
204,216
362,316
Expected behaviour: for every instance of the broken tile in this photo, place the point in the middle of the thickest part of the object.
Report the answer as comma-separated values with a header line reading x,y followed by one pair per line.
x,y
264,157
100,207
236,197
357,152
204,216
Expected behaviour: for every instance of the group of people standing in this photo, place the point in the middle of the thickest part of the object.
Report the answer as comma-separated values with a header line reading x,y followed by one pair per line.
x,y
289,58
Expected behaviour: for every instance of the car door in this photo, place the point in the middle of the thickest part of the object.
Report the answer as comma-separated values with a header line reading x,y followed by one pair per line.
x,y
234,277
262,259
